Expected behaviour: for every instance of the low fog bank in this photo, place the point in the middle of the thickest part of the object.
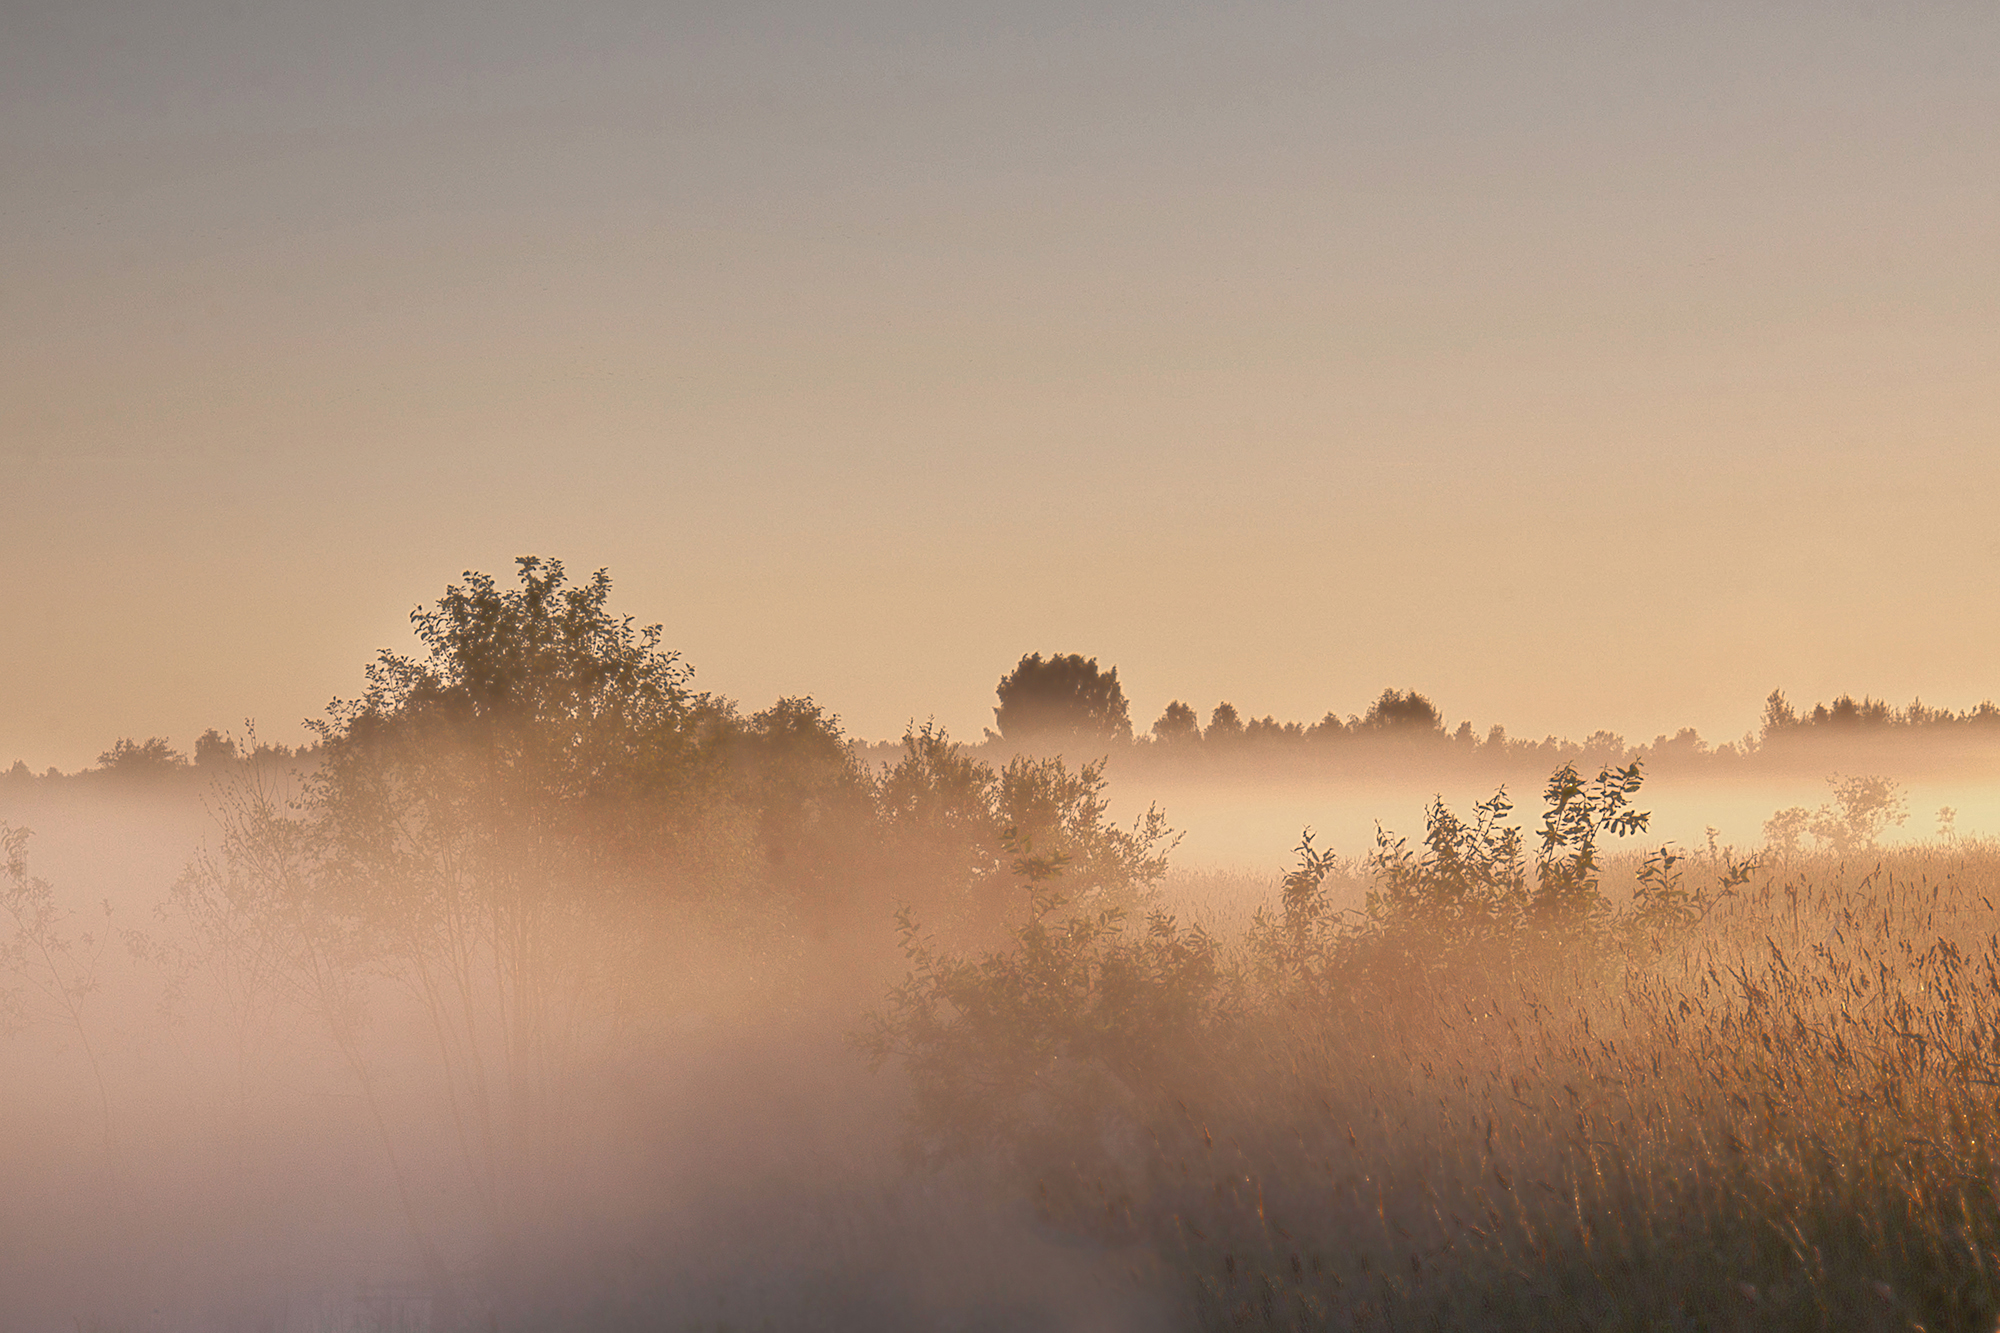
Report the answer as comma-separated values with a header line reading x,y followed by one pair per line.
x,y
1250,823
548,993
201,1145
222,1121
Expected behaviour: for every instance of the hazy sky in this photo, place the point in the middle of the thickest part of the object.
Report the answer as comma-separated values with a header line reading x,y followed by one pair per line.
x,y
1584,365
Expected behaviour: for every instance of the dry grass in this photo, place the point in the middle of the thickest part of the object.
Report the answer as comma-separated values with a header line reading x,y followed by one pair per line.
x,y
1784,1119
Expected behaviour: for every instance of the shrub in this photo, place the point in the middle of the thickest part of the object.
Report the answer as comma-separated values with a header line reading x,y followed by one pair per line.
x,y
949,823
993,1041
1454,1107
1462,902
1021,1044
1853,822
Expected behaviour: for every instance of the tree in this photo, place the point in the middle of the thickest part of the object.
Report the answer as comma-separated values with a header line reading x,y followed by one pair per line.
x,y
486,827
1016,1046
1328,728
154,758
937,817
1268,729
951,826
1046,808
1862,810
1779,716
1224,725
1178,725
812,801
1065,698
1404,713
212,748
49,969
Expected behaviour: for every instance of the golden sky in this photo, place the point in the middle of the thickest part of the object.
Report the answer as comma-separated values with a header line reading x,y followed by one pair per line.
x,y
1581,365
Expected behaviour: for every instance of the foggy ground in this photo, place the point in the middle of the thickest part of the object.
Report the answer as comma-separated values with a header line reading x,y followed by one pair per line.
x,y
725,1160
1251,826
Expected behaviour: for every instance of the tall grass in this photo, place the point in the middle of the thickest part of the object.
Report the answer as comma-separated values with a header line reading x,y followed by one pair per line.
x,y
1782,1117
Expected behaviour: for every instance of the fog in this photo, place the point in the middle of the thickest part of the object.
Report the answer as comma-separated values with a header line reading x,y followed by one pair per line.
x,y
543,992
715,1155
197,1142
1251,825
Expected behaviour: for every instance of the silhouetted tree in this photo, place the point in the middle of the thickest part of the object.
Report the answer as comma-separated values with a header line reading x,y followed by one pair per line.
x,y
486,824
1683,744
1403,712
1178,725
152,759
936,807
814,803
952,827
1065,698
1267,728
1224,725
1920,714
1328,728
212,748
1779,716
1847,712
1605,745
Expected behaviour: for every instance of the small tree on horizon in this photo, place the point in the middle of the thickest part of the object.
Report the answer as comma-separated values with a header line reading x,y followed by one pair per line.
x,y
153,758
212,748
1404,712
1178,725
1063,697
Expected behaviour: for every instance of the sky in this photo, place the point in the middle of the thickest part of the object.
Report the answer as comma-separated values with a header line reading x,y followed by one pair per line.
x,y
1582,365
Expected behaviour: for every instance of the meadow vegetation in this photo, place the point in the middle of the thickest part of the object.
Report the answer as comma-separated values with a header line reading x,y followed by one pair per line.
x,y
1734,1093
532,890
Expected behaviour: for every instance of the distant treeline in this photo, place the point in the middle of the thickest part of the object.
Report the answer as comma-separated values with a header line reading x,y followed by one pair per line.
x,y
1849,715
156,757
1067,703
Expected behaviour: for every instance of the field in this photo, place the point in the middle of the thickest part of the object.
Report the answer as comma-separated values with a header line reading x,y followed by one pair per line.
x,y
1742,1095
1782,1119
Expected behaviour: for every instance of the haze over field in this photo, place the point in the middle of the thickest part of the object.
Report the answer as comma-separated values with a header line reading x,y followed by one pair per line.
x,y
545,992
1287,666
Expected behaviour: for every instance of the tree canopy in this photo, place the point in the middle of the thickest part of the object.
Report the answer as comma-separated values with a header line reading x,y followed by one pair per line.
x,y
1177,725
1064,697
1404,711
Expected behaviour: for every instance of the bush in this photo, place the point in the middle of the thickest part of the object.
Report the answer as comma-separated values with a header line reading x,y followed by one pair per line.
x,y
950,823
1853,822
1023,1044
1463,902
1452,1106
1054,1053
